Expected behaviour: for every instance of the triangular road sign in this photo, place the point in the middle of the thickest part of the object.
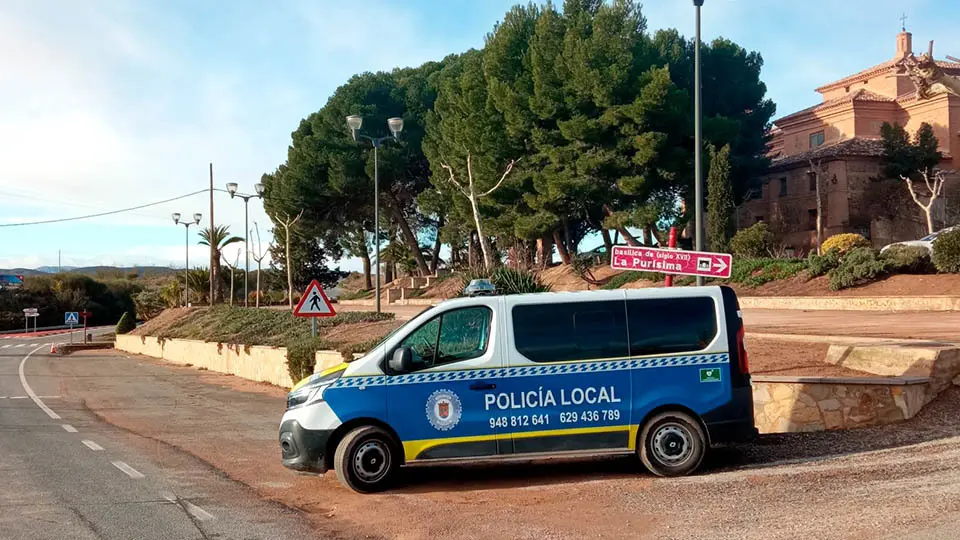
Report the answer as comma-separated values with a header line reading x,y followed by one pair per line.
x,y
314,303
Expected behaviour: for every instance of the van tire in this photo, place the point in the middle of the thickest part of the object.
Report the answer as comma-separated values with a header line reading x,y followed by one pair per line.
x,y
366,459
672,443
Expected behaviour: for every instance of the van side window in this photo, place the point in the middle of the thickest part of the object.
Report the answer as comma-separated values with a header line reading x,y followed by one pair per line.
x,y
571,331
671,325
456,335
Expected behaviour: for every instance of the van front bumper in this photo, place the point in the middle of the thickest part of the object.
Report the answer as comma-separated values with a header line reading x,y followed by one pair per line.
x,y
302,449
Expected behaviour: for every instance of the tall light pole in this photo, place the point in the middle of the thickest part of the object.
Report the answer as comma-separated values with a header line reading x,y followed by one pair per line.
x,y
698,140
186,273
355,122
232,190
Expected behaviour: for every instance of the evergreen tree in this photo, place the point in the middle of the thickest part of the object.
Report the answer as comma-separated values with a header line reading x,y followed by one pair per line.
x,y
720,206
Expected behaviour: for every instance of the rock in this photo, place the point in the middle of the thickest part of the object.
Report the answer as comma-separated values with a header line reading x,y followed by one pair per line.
x,y
832,419
829,405
761,394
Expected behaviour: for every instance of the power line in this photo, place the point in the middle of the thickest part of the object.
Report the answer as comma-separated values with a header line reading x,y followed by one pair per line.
x,y
89,216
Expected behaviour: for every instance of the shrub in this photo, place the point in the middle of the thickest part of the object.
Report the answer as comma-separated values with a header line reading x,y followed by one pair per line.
x,y
302,357
818,265
756,272
946,251
630,276
908,260
754,242
860,265
844,242
127,324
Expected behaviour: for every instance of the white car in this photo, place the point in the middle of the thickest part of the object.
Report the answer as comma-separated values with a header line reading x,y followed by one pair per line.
x,y
925,242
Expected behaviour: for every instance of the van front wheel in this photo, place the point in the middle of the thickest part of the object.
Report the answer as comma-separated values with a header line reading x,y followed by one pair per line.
x,y
672,444
366,459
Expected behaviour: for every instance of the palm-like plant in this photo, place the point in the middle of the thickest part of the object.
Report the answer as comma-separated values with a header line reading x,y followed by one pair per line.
x,y
220,239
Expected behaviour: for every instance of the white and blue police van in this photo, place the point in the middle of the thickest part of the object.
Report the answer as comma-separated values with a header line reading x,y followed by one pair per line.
x,y
660,373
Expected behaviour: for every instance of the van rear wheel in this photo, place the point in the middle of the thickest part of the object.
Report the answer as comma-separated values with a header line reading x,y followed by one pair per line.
x,y
672,444
366,459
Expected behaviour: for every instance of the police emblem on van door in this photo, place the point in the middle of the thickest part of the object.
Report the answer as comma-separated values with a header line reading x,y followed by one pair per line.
x,y
443,410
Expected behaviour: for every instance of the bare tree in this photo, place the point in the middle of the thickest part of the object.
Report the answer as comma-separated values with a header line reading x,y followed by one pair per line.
x,y
470,193
233,270
258,255
815,173
934,182
287,223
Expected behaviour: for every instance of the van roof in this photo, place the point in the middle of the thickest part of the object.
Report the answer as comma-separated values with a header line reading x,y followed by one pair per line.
x,y
585,296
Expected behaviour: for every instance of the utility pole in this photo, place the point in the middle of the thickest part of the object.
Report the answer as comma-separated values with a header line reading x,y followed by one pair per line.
x,y
698,141
213,250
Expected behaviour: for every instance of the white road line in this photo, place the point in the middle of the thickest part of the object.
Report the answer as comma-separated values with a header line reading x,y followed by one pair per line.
x,y
92,445
18,397
199,513
128,470
30,392
5,346
68,428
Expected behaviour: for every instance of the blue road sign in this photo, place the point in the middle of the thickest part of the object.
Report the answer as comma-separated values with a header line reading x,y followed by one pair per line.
x,y
71,317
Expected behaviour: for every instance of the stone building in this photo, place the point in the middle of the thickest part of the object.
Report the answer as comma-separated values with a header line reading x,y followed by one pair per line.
x,y
840,139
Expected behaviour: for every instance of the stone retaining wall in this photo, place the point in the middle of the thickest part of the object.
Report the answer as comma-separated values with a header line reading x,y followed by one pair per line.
x,y
853,303
262,364
790,404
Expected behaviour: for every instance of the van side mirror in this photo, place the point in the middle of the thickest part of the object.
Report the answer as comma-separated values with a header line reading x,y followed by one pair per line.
x,y
402,360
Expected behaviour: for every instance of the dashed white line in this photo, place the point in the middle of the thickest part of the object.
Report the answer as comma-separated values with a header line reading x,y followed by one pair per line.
x,y
199,513
30,392
7,346
92,445
18,397
68,428
128,470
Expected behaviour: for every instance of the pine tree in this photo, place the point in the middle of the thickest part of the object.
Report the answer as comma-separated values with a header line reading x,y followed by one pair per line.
x,y
720,208
127,324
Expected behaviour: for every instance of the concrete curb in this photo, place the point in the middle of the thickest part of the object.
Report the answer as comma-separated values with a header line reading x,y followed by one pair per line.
x,y
852,303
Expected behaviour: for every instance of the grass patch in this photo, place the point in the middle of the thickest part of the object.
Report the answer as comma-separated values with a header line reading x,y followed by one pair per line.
x,y
270,327
756,272
356,295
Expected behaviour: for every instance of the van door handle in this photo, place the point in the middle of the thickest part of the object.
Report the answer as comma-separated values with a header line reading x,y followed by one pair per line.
x,y
482,386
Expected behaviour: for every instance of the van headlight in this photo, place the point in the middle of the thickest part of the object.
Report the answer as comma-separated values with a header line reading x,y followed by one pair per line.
x,y
306,394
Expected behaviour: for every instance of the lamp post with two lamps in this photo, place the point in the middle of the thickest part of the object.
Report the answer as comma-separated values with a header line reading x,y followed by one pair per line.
x,y
232,190
186,274
355,122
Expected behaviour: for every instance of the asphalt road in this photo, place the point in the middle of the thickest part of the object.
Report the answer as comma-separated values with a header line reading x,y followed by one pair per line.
x,y
66,474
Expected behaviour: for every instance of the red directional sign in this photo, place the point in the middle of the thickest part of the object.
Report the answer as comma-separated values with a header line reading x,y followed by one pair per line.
x,y
672,261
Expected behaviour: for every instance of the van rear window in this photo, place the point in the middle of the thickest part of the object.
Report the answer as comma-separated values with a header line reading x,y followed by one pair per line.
x,y
671,325
571,331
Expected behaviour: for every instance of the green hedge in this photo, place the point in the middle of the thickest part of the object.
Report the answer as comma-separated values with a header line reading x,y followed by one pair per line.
x,y
946,252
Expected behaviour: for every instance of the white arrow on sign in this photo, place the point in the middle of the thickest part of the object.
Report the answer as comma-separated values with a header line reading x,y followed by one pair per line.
x,y
719,265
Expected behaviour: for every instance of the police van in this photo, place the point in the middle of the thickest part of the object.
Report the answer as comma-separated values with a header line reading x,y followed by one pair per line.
x,y
661,373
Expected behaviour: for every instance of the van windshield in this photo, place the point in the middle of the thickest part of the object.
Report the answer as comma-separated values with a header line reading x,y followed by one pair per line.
x,y
399,328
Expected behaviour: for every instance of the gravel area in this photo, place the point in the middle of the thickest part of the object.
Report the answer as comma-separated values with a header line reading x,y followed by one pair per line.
x,y
867,483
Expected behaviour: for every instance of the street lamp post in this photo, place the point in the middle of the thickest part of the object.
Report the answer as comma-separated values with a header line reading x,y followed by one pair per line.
x,y
186,273
355,122
232,190
698,140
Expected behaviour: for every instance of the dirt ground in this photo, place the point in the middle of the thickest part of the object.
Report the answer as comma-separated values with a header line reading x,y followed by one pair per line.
x,y
775,357
898,285
165,319
927,325
895,481
353,334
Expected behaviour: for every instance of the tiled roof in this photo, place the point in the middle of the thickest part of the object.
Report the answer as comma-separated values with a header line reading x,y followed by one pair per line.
x,y
857,146
865,74
859,95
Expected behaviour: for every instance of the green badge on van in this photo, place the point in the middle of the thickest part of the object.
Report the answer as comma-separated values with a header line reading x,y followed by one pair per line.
x,y
710,374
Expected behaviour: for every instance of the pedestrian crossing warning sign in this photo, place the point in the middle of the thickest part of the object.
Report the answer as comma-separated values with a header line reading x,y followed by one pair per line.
x,y
314,303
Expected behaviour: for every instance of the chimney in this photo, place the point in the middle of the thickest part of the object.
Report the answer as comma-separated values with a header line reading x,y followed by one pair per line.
x,y
904,44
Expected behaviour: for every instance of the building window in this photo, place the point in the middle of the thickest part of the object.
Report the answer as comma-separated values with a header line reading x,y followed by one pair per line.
x,y
813,182
783,186
816,139
812,219
758,219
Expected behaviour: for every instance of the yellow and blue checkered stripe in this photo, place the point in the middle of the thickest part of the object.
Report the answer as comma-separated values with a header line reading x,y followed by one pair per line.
x,y
601,366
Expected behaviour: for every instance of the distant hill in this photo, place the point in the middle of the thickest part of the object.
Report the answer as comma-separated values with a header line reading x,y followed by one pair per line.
x,y
93,270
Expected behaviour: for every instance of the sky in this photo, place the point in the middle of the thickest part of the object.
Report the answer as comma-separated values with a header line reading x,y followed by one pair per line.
x,y
110,104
